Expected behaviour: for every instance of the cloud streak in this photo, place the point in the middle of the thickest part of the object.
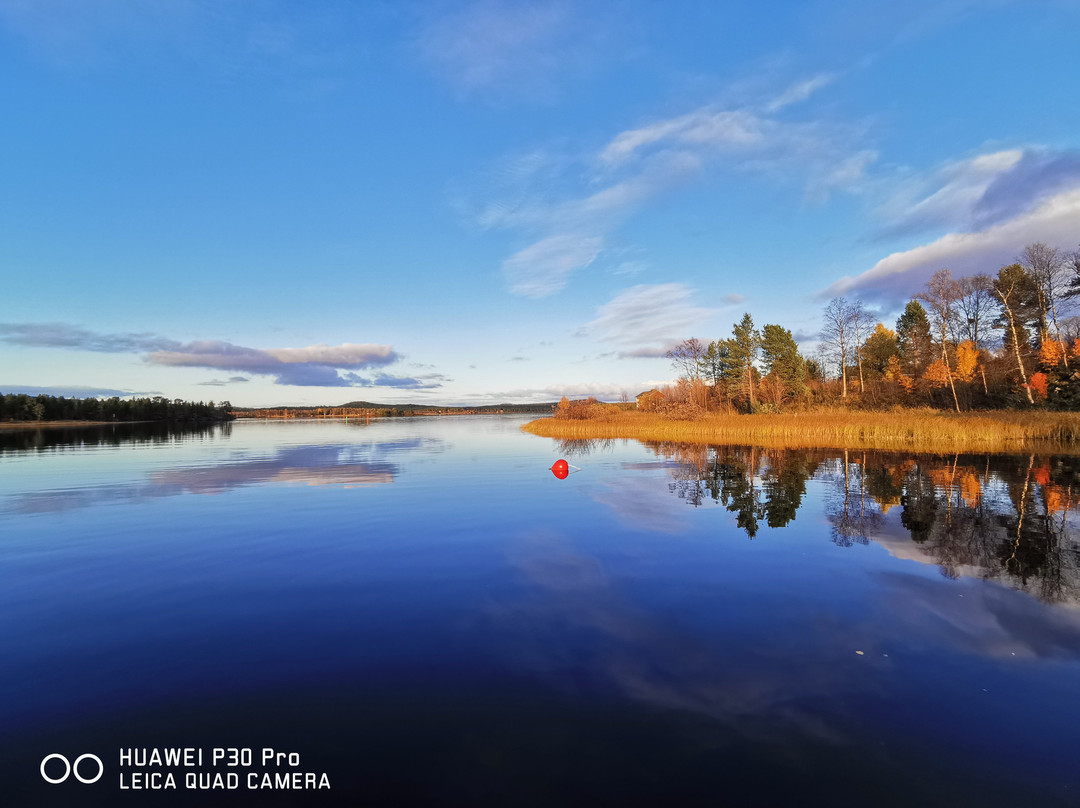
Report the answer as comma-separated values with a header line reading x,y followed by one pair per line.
x,y
896,277
514,51
70,391
314,366
648,319
542,268
318,365
982,210
63,335
553,392
569,207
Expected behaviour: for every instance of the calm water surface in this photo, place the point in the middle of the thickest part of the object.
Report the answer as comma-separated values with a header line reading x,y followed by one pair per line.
x,y
423,613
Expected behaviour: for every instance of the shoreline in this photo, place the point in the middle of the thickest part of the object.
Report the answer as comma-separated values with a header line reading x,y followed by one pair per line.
x,y
60,424
929,431
15,425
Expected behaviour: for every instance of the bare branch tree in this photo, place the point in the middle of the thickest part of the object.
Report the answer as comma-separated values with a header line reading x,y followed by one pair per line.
x,y
686,358
860,322
941,295
975,310
1048,267
974,315
836,334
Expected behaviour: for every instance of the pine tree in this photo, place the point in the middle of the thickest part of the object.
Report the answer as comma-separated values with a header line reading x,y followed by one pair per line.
x,y
913,339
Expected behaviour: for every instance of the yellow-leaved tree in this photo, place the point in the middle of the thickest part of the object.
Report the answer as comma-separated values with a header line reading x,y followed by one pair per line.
x,y
1051,354
967,360
937,374
894,373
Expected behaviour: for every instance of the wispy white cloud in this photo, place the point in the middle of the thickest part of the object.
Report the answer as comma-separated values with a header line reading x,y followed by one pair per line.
x,y
800,91
224,382
896,277
975,193
570,206
224,39
314,366
515,51
715,129
981,210
847,175
648,351
1038,174
346,355
630,268
427,381
945,197
69,391
648,319
542,268
574,230
553,392
64,335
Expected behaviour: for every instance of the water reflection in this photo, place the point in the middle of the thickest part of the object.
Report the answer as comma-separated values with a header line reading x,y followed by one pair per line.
x,y
347,465
479,646
579,628
992,516
580,447
65,438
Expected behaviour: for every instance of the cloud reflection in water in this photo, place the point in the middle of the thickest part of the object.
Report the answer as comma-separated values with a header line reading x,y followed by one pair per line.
x,y
347,465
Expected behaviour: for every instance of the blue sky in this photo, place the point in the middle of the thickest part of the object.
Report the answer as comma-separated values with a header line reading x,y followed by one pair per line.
x,y
476,202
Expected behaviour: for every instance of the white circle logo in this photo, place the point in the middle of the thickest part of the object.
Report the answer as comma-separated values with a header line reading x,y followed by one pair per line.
x,y
72,768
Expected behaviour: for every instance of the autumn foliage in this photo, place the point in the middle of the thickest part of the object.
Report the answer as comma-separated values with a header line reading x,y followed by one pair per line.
x,y
967,361
1039,384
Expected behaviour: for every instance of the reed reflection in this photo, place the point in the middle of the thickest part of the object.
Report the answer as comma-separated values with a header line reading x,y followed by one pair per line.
x,y
1000,517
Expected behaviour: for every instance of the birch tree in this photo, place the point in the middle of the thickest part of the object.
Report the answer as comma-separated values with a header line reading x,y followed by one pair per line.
x,y
941,295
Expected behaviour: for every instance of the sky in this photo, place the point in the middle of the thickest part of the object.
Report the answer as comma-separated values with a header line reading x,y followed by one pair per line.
x,y
278,203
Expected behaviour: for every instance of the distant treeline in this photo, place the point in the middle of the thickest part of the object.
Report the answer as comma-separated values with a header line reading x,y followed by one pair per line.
x,y
367,409
22,407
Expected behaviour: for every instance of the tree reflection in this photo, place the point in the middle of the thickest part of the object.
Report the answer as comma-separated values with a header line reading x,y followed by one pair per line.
x,y
1000,517
65,438
578,447
853,513
754,484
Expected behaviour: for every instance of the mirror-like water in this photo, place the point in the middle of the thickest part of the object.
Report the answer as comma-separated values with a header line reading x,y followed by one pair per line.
x,y
422,612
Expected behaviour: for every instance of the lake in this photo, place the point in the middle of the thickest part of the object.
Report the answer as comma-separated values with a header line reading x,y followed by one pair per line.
x,y
416,611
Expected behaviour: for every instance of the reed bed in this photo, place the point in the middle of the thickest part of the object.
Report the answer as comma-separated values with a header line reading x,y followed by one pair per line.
x,y
921,430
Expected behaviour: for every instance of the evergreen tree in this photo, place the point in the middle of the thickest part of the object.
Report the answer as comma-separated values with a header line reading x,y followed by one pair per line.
x,y
913,339
782,359
743,348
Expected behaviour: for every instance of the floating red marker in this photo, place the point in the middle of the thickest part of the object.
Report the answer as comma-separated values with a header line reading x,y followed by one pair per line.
x,y
561,469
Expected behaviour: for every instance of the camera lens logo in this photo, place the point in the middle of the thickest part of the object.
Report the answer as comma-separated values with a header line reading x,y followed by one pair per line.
x,y
72,768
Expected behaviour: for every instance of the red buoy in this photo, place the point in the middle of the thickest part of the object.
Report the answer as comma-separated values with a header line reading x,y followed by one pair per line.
x,y
561,469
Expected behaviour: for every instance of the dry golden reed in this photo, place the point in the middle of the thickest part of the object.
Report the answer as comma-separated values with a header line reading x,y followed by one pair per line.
x,y
922,430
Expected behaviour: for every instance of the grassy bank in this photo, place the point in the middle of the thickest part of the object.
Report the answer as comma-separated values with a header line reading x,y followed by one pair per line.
x,y
922,430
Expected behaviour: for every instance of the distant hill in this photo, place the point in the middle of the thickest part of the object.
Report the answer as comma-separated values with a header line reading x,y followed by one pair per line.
x,y
542,408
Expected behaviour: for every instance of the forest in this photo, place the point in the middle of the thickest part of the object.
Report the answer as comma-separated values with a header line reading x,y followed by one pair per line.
x,y
21,407
977,342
